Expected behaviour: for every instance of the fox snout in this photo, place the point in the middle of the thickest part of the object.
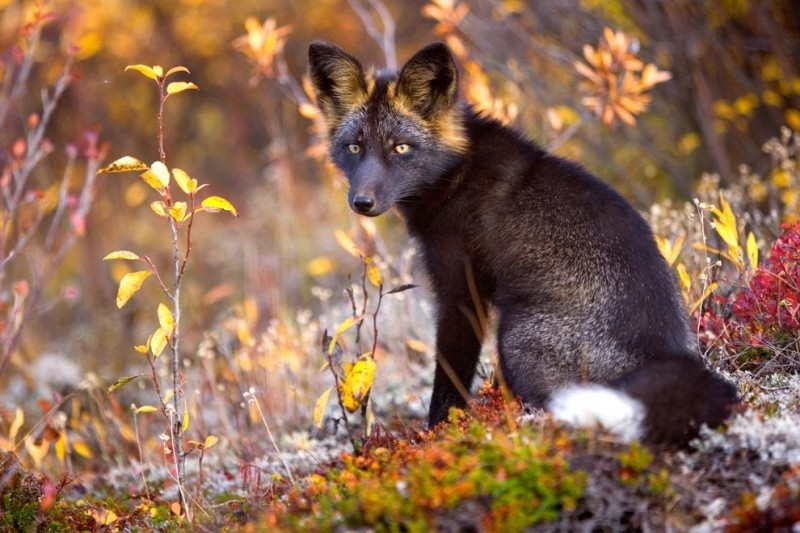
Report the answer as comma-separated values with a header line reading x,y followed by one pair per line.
x,y
370,189
362,204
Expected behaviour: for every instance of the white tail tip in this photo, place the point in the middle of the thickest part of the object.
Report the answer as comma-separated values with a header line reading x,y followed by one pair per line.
x,y
594,406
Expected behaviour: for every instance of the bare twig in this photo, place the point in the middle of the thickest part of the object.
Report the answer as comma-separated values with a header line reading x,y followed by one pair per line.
x,y
384,36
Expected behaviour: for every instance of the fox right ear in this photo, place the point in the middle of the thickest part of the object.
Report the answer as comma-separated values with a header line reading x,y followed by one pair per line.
x,y
338,81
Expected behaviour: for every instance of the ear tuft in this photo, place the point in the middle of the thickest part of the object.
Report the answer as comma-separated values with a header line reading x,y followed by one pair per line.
x,y
428,82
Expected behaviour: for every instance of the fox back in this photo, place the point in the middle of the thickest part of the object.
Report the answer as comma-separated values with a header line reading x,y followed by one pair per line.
x,y
581,291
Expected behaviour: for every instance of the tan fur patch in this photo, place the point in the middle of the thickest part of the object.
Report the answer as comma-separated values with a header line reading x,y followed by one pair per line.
x,y
450,128
447,126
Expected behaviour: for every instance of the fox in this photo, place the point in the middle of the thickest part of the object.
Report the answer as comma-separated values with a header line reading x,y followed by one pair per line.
x,y
590,320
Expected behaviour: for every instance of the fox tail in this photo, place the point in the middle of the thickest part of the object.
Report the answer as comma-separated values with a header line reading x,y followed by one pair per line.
x,y
664,402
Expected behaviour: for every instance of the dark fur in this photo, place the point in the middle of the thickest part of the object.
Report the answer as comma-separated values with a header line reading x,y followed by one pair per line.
x,y
580,288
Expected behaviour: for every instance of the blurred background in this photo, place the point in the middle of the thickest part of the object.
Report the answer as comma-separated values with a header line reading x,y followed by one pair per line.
x,y
260,288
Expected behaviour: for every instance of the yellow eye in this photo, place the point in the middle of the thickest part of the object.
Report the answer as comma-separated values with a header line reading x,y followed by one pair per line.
x,y
354,148
401,148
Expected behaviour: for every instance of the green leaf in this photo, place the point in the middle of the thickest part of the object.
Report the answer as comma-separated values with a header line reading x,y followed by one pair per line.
x,y
124,164
217,203
129,284
402,288
121,254
179,86
185,422
121,382
151,72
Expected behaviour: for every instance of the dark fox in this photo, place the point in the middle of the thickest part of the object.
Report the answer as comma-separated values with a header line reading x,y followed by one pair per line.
x,y
581,292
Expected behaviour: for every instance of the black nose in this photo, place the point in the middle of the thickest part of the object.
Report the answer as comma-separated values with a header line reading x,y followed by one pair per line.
x,y
362,204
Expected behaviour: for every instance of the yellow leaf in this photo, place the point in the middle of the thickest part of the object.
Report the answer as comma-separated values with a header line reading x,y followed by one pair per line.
x,y
210,441
319,408
173,70
344,326
178,211
103,517
123,164
217,203
141,348
37,451
61,447
165,318
320,266
160,173
711,288
780,178
151,180
151,72
792,118
417,345
19,419
683,277
168,395
179,86
357,384
121,254
159,208
752,250
347,243
670,250
309,111
185,421
146,409
158,342
184,181
689,142
725,223
82,449
374,275
129,284
121,382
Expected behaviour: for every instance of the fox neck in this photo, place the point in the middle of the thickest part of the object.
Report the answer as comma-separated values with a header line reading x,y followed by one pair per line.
x,y
473,174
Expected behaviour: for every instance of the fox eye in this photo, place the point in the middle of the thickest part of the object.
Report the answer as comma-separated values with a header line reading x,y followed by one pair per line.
x,y
401,148
354,148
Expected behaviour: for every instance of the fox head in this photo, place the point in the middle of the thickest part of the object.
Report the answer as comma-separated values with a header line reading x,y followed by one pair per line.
x,y
393,134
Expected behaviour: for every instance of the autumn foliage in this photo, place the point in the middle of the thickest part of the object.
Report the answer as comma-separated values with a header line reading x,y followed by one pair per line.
x,y
271,352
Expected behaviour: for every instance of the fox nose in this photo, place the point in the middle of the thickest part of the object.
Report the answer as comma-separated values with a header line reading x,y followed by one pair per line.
x,y
363,204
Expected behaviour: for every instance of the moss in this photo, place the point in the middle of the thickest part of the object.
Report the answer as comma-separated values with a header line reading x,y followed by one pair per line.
x,y
475,472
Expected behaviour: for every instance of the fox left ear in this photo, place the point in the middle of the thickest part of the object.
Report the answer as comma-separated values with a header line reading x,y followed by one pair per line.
x,y
428,83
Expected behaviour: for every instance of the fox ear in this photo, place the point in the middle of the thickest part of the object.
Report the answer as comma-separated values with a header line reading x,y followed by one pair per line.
x,y
428,83
338,80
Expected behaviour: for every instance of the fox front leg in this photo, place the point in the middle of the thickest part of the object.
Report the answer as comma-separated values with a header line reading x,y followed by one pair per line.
x,y
458,348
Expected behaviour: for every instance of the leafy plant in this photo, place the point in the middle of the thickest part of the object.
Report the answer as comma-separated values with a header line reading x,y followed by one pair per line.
x,y
352,380
475,473
179,216
40,220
